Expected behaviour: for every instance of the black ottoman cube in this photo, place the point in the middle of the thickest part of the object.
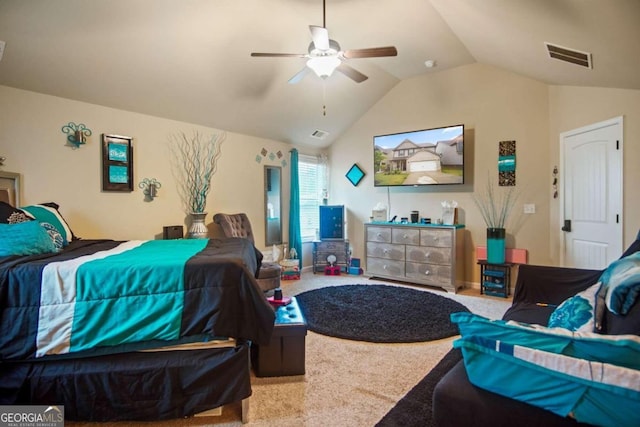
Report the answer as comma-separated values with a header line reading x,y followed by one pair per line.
x,y
286,352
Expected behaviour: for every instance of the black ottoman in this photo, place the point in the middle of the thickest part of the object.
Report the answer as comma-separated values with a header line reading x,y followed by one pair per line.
x,y
285,353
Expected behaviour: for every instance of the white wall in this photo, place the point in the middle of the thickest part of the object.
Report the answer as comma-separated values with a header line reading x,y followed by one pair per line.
x,y
34,145
494,105
575,107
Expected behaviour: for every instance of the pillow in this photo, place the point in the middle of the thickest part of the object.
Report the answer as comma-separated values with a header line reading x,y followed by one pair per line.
x,y
621,280
620,350
11,215
48,212
55,236
576,313
25,238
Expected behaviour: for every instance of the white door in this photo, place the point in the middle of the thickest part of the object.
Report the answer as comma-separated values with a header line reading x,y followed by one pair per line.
x,y
591,189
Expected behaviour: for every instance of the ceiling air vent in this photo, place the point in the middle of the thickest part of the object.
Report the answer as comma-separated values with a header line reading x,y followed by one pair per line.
x,y
569,55
319,134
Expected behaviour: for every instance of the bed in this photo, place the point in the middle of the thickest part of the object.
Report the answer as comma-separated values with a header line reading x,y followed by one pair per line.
x,y
134,330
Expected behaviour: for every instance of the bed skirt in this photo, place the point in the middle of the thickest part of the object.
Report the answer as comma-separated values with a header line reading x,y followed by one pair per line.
x,y
136,386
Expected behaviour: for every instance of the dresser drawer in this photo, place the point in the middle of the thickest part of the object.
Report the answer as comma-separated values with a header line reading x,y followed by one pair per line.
x,y
385,267
379,234
405,236
432,274
432,255
385,250
435,237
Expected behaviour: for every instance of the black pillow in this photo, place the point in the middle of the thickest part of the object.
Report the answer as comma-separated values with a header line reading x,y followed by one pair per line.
x,y
11,215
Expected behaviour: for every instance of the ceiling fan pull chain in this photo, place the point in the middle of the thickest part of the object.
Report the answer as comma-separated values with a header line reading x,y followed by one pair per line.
x,y
324,99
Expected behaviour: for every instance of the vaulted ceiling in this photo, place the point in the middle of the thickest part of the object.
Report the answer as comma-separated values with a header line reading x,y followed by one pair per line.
x,y
189,60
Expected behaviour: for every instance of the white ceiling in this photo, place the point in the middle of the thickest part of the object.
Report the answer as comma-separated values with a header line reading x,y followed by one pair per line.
x,y
189,60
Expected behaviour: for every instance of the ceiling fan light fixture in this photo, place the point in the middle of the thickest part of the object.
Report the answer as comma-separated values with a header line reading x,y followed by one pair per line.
x,y
323,66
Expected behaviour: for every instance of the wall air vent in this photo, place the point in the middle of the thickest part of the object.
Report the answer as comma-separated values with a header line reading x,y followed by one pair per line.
x,y
319,134
569,55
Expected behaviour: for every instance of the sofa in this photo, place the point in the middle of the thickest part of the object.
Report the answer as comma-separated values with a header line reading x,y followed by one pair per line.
x,y
538,292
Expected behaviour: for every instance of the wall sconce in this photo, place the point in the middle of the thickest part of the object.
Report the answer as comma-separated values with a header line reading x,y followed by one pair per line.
x,y
2,159
149,188
76,134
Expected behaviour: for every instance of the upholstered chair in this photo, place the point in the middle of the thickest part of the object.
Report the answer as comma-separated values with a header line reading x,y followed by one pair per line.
x,y
238,225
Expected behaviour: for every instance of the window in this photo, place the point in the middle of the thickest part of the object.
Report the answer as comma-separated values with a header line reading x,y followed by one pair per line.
x,y
313,185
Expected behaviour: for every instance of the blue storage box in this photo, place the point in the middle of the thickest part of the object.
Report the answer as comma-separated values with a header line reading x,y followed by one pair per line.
x,y
355,270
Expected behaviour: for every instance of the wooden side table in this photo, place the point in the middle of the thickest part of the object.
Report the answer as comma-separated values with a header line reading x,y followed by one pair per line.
x,y
495,279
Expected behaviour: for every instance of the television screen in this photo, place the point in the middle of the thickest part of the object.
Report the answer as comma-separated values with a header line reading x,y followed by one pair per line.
x,y
421,157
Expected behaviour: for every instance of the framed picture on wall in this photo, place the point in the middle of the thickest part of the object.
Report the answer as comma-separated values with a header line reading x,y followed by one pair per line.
x,y
117,163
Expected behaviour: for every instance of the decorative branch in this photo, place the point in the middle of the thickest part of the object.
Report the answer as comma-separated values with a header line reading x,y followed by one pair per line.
x,y
194,162
495,205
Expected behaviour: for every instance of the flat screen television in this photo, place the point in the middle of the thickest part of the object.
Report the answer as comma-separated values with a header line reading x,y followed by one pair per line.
x,y
421,157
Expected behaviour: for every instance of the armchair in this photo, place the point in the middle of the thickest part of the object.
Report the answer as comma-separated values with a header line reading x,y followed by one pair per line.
x,y
238,225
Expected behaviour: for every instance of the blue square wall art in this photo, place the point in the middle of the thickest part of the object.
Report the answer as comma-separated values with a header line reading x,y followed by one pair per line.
x,y
355,174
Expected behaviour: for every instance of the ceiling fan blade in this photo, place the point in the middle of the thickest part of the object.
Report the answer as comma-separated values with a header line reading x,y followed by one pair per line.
x,y
371,52
279,55
352,73
320,37
298,76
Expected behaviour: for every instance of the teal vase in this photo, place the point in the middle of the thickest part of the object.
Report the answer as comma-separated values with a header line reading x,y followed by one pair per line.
x,y
495,245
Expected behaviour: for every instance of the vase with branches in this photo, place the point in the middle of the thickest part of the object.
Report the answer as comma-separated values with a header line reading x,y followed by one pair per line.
x,y
194,162
496,206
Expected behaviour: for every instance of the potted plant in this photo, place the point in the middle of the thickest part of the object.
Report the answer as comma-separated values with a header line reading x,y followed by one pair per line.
x,y
495,205
194,162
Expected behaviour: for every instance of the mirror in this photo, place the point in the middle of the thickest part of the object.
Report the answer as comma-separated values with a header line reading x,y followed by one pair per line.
x,y
273,205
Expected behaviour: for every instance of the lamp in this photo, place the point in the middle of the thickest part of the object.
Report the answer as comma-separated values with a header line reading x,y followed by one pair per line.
x,y
149,188
76,134
323,66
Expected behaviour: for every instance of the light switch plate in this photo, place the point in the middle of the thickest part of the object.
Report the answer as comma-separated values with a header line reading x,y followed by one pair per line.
x,y
529,208
2,45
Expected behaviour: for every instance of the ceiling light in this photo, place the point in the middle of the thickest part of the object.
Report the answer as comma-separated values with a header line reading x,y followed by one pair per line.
x,y
323,66
429,63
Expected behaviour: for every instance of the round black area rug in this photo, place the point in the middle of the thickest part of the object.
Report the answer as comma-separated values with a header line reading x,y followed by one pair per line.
x,y
378,313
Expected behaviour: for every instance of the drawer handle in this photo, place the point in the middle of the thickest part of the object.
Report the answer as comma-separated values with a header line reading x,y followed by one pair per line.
x,y
379,234
427,255
427,273
404,236
436,238
385,251
384,267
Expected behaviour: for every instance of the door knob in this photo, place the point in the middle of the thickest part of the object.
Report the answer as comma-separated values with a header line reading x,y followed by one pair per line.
x,y
567,225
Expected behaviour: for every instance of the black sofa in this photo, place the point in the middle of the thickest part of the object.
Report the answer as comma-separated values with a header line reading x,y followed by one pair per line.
x,y
457,402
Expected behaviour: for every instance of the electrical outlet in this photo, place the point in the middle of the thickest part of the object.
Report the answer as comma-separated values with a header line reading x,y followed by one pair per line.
x,y
529,208
2,44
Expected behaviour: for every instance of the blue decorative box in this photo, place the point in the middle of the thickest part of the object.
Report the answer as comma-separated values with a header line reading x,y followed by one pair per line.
x,y
355,270
355,262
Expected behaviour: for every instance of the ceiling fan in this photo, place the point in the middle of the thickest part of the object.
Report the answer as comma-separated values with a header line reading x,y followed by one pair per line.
x,y
325,55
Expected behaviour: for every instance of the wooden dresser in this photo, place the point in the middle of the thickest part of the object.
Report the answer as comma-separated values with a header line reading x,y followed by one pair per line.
x,y
423,254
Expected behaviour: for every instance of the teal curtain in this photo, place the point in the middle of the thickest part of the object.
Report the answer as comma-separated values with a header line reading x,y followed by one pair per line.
x,y
295,236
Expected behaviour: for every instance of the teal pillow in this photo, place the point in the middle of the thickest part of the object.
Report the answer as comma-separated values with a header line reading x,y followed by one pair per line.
x,y
621,280
576,313
620,350
25,238
48,212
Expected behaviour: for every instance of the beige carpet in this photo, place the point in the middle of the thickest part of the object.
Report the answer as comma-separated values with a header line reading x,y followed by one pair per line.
x,y
347,383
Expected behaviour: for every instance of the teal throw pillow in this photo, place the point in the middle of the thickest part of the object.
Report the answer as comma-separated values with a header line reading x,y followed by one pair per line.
x,y
56,237
576,313
48,212
621,280
25,238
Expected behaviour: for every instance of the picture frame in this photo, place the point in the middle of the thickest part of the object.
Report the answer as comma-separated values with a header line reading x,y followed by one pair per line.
x,y
117,163
355,175
10,188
